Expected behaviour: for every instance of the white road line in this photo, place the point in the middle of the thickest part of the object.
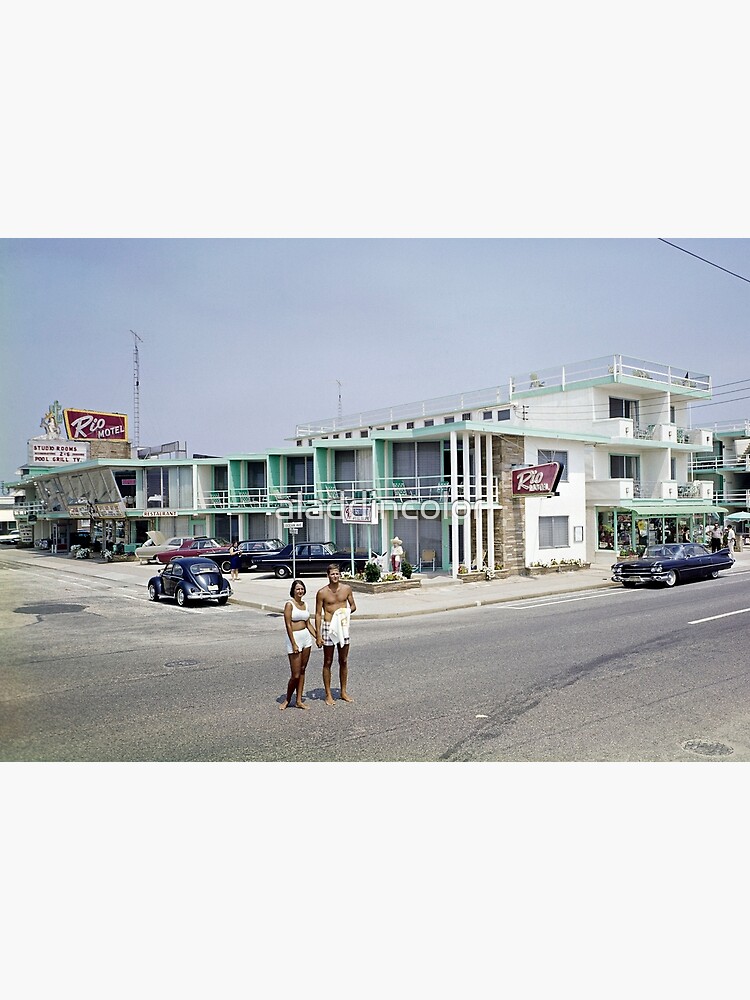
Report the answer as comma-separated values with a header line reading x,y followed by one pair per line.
x,y
713,618
537,602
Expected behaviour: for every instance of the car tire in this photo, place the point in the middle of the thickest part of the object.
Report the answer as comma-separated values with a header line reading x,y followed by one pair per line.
x,y
225,565
671,578
153,593
181,597
282,572
714,574
221,601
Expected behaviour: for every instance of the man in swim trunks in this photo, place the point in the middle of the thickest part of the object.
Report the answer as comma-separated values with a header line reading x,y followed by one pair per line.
x,y
330,599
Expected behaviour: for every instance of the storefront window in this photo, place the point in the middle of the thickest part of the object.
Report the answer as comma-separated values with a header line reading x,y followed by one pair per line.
x,y
606,529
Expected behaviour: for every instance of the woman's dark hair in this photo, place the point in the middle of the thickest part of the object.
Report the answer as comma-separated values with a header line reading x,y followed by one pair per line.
x,y
294,584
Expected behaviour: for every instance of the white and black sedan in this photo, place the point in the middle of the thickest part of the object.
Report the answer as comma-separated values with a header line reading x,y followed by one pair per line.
x,y
672,563
190,579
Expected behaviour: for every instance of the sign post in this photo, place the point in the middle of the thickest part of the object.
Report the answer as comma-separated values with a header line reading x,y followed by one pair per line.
x,y
293,527
359,512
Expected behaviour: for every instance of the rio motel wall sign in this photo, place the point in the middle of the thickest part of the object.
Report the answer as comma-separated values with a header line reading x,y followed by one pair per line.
x,y
536,480
92,424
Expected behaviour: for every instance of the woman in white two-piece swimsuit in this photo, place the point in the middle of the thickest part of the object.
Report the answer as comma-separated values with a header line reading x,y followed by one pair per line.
x,y
300,636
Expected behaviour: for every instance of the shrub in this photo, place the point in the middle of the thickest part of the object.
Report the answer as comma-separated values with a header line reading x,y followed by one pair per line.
x,y
372,572
406,570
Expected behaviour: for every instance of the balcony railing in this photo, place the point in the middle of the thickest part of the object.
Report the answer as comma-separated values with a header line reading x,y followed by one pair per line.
x,y
406,489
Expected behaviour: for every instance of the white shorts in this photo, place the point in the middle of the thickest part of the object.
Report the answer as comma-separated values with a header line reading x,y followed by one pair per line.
x,y
303,638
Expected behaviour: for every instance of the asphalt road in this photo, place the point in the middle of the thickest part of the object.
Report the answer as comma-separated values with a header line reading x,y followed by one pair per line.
x,y
91,671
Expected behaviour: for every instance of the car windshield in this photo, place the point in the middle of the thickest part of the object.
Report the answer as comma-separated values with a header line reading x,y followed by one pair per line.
x,y
199,569
664,552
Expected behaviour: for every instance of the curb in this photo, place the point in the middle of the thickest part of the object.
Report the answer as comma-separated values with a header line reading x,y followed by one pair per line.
x,y
364,616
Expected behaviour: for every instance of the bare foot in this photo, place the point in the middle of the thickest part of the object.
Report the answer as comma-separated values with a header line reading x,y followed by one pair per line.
x,y
329,700
283,705
301,704
345,697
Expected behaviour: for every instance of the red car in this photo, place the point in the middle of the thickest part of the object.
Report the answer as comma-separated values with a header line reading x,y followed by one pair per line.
x,y
207,547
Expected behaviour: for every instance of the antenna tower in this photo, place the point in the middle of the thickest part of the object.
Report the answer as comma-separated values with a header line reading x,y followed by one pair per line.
x,y
136,391
340,410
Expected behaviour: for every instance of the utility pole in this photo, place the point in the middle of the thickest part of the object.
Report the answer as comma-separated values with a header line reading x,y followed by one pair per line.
x,y
136,393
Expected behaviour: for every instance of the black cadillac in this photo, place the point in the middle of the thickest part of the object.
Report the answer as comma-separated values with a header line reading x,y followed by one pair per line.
x,y
672,563
309,557
190,579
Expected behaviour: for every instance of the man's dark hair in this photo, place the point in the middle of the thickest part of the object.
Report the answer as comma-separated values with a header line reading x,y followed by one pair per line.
x,y
331,566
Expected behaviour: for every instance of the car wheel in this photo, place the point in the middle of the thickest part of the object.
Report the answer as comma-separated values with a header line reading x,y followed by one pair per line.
x,y
282,572
222,601
225,565
714,574
181,597
671,578
153,593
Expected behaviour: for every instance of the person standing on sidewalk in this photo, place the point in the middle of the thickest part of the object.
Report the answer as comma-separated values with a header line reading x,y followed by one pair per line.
x,y
234,560
334,605
715,538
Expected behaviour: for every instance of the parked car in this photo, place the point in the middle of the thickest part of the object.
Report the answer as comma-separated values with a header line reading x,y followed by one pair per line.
x,y
309,557
202,546
672,563
12,538
258,546
190,579
158,542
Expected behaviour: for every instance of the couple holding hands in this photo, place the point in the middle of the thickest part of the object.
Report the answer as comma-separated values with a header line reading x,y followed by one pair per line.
x,y
334,605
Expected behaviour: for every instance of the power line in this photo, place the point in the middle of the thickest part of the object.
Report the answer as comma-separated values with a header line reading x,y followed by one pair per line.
x,y
733,273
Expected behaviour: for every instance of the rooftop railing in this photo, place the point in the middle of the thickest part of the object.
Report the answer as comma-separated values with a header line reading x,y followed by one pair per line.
x,y
615,367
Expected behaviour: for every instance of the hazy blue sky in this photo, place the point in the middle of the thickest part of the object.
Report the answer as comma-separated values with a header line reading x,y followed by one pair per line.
x,y
265,328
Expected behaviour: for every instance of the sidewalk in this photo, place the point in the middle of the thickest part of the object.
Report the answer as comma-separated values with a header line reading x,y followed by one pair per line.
x,y
439,592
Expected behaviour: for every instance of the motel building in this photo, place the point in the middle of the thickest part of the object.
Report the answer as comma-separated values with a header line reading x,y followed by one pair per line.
x,y
441,474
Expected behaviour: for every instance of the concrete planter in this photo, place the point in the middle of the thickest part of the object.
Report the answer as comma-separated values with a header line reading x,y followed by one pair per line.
x,y
546,570
473,577
385,587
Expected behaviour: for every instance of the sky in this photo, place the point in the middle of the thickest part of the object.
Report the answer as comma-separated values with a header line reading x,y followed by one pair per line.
x,y
269,327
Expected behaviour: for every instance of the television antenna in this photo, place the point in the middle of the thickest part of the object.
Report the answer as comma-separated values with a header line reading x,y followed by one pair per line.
x,y
340,411
136,391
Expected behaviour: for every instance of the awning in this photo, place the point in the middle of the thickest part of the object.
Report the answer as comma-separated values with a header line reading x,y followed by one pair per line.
x,y
743,515
667,508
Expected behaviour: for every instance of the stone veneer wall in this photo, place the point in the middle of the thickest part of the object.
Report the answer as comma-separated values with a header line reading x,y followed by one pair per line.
x,y
510,535
109,449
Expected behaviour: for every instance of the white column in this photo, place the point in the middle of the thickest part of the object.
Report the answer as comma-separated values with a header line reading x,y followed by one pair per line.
x,y
490,498
478,496
467,498
454,497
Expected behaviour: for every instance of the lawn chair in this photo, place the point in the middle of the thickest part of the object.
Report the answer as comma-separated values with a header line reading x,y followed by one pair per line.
x,y
427,556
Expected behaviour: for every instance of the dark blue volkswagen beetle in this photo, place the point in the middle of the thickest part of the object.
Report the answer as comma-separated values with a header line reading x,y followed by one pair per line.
x,y
190,579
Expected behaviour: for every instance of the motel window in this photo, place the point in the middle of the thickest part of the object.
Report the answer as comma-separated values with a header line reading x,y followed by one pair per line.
x,y
545,455
503,414
466,416
624,467
627,408
449,420
553,532
429,423
487,415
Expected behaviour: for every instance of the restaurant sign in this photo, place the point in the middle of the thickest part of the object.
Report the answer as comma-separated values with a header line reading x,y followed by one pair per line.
x,y
536,480
87,424
364,512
